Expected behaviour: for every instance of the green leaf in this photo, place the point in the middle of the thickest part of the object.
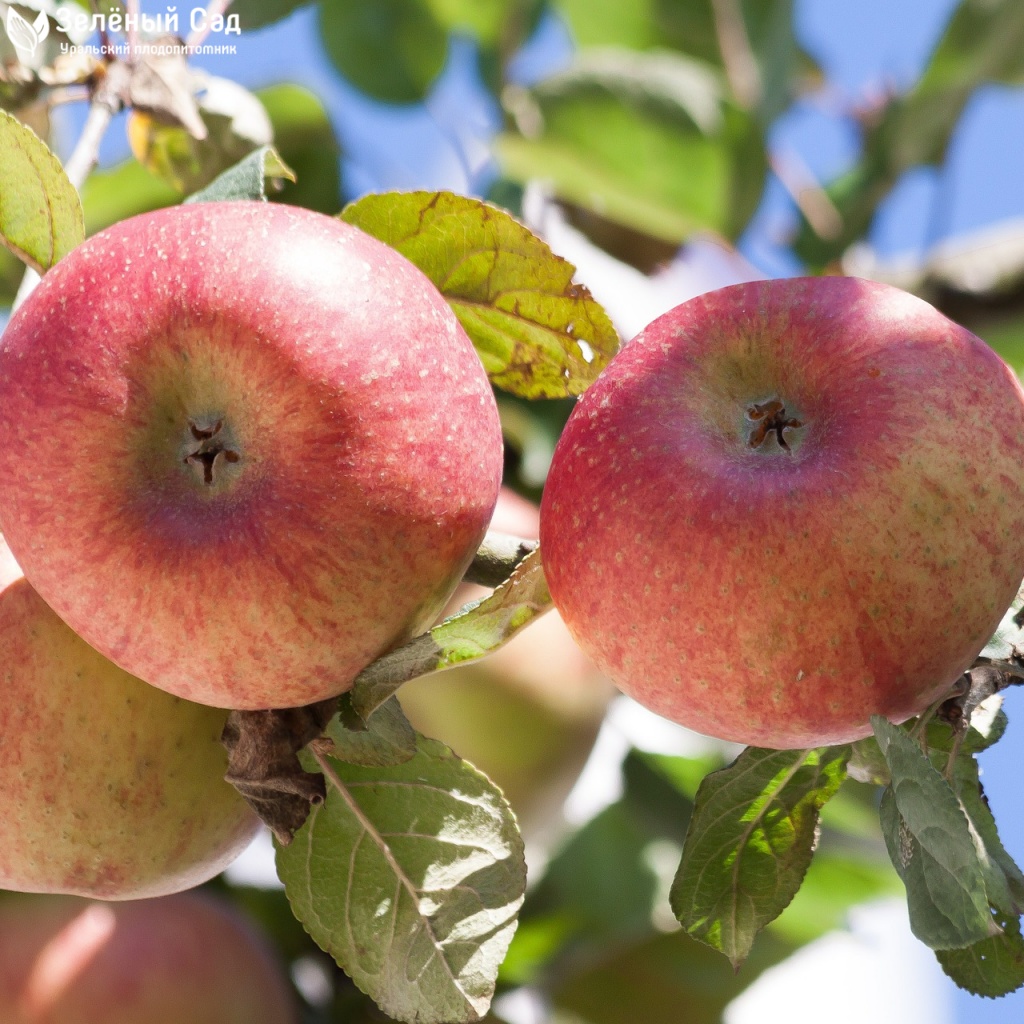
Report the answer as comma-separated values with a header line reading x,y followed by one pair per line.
x,y
750,842
536,943
834,883
931,846
411,877
385,738
644,139
538,334
867,763
257,13
992,967
247,179
983,42
304,136
666,979
988,724
612,22
609,846
123,191
761,60
685,774
482,19
393,50
1004,882
468,635
40,212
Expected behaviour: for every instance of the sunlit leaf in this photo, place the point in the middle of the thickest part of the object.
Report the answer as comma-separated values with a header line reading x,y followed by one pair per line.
x,y
483,19
612,22
411,877
750,842
539,334
470,634
40,211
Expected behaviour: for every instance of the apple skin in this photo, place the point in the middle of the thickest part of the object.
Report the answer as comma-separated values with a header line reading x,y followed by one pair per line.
x,y
526,715
181,958
781,596
110,787
247,449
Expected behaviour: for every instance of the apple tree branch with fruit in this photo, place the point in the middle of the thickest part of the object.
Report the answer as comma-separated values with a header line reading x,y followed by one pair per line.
x,y
249,450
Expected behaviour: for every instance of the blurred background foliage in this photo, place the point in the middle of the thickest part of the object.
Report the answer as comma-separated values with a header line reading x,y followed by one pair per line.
x,y
640,130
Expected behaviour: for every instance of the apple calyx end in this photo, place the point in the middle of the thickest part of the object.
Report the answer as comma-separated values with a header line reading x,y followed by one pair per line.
x,y
770,417
211,445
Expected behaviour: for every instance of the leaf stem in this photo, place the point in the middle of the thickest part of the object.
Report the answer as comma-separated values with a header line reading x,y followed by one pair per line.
x,y
497,558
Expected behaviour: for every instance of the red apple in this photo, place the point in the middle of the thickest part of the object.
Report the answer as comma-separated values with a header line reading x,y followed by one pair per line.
x,y
787,506
167,961
244,449
108,786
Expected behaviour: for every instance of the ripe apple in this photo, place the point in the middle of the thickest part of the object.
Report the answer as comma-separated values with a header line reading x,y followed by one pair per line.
x,y
181,958
787,506
526,715
244,449
109,787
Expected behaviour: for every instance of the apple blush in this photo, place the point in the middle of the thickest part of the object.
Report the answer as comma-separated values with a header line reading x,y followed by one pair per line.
x,y
244,449
787,506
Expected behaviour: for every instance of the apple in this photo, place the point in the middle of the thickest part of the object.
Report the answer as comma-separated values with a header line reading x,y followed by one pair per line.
x,y
108,786
787,506
166,961
246,448
526,715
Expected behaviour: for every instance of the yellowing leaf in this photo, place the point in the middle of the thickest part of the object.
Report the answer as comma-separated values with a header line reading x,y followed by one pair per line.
x,y
40,211
538,334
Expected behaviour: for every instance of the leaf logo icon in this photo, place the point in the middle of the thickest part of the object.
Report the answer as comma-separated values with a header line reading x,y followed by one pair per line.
x,y
26,37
